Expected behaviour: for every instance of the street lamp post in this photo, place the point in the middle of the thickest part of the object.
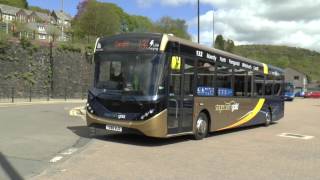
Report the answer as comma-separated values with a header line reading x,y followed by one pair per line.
x,y
62,25
198,21
213,27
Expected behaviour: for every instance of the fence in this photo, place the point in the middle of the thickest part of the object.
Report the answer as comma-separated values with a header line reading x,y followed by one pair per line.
x,y
29,94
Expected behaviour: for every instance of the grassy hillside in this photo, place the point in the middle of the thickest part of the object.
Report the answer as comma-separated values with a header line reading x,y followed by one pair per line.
x,y
303,60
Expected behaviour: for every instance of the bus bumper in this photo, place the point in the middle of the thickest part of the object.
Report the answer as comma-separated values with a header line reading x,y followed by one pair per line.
x,y
156,126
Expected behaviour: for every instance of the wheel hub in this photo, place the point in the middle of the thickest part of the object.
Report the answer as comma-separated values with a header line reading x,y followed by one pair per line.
x,y
201,126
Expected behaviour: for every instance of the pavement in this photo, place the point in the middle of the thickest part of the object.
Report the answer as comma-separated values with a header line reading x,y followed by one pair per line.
x,y
34,136
258,152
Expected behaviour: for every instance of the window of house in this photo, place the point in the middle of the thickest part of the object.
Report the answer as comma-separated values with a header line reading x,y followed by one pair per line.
x,y
41,36
41,28
296,77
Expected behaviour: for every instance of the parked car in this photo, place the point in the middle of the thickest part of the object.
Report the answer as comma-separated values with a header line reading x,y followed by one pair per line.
x,y
300,94
312,94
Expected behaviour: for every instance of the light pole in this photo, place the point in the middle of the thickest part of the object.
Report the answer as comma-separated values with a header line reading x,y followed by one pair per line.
x,y
62,26
198,21
7,26
213,27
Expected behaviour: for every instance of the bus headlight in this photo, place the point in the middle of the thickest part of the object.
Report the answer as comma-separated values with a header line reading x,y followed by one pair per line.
x,y
145,115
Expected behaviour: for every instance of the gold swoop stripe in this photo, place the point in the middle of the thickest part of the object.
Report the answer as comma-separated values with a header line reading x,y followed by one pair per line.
x,y
247,117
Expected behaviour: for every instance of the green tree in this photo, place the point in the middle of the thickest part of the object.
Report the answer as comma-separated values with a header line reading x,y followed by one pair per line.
x,y
20,29
178,27
53,32
140,24
15,3
219,42
97,19
229,46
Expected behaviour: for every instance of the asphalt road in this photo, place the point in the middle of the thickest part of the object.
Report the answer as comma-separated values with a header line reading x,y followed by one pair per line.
x,y
251,153
33,134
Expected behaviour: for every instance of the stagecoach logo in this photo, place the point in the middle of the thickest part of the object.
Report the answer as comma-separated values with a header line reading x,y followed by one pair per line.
x,y
153,45
228,106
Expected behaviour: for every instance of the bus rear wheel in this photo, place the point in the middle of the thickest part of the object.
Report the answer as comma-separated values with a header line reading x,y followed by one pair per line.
x,y
268,119
201,130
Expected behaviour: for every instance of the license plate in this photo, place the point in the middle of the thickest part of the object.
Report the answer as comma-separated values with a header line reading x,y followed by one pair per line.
x,y
114,128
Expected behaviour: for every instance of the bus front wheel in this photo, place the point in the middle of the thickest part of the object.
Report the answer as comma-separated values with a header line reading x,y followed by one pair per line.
x,y
201,130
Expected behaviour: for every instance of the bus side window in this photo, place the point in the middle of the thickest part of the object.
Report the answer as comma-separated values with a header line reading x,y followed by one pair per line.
x,y
269,85
278,85
206,74
224,80
239,81
189,68
259,85
250,84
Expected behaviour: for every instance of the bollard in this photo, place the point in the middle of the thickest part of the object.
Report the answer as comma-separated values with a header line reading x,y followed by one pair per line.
x,y
12,94
65,94
30,94
82,96
48,94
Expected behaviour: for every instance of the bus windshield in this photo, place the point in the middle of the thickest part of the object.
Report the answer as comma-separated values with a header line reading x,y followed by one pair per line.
x,y
289,87
134,73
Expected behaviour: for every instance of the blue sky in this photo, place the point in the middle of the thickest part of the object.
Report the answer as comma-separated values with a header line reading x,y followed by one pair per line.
x,y
152,9
246,22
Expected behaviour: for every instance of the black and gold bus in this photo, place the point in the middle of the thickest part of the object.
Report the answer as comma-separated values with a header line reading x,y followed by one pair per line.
x,y
163,86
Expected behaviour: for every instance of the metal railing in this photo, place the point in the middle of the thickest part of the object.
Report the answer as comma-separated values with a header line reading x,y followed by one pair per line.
x,y
30,94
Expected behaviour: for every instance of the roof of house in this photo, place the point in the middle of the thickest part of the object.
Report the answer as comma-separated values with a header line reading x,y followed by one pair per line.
x,y
293,70
9,9
43,16
63,15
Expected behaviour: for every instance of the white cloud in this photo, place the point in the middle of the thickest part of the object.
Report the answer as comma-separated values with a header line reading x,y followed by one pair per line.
x,y
293,23
285,22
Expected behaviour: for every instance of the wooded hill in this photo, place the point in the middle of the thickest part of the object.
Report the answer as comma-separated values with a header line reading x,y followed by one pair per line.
x,y
302,60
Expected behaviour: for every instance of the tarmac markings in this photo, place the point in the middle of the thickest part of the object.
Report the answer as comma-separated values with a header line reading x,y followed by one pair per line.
x,y
296,136
61,155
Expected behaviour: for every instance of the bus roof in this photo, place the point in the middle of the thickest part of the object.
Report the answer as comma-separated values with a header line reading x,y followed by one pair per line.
x,y
164,40
220,52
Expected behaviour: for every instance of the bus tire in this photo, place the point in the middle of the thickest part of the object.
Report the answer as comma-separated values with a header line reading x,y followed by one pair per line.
x,y
201,130
268,119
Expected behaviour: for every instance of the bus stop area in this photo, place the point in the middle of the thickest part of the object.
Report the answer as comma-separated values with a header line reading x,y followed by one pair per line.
x,y
288,149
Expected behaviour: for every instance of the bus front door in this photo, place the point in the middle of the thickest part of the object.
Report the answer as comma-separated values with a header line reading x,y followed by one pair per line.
x,y
179,105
